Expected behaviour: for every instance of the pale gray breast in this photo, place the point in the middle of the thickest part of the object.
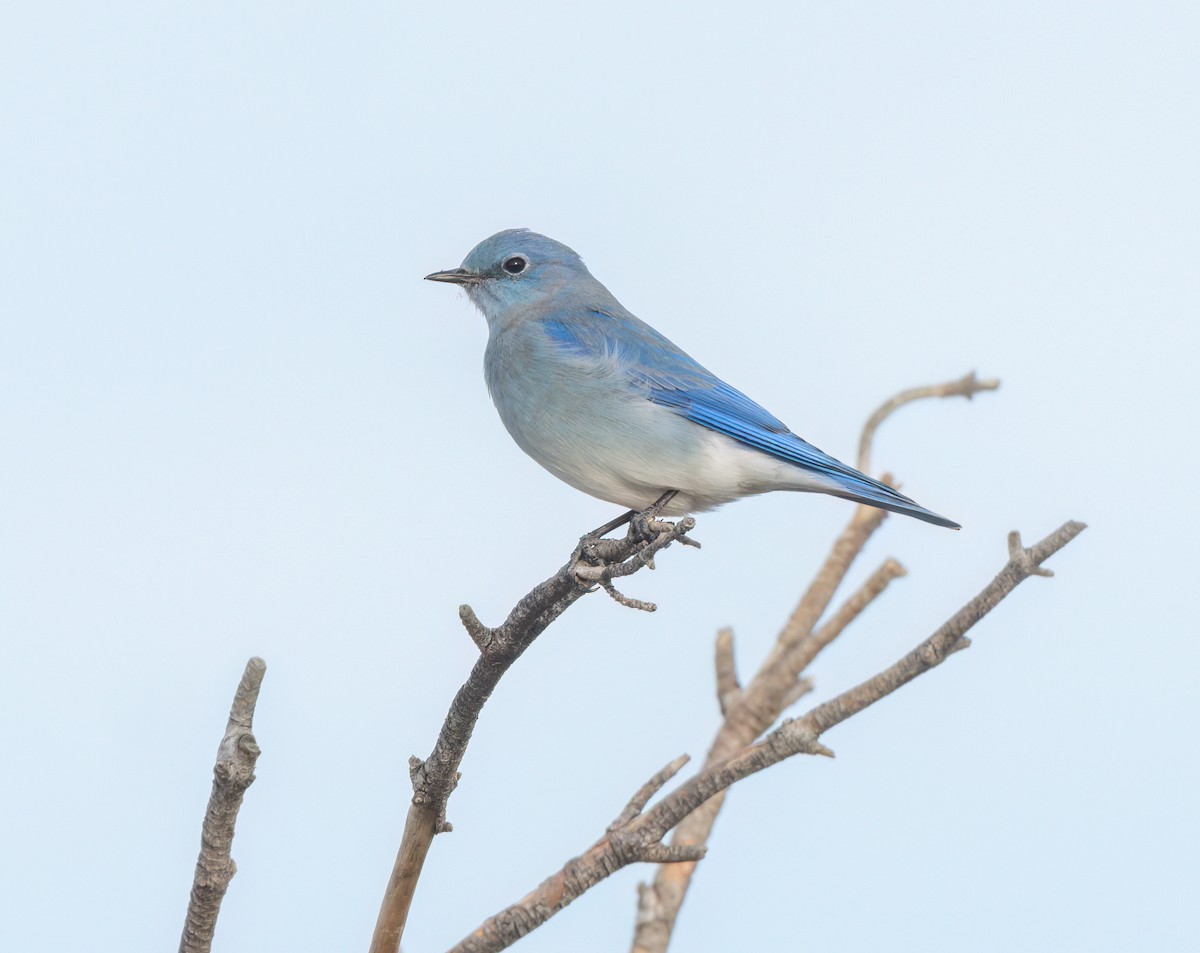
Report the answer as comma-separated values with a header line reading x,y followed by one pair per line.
x,y
552,401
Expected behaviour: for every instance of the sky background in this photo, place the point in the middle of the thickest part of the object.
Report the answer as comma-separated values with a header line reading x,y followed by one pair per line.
x,y
235,421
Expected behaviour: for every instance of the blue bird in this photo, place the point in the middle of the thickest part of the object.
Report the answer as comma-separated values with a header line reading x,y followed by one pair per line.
x,y
606,403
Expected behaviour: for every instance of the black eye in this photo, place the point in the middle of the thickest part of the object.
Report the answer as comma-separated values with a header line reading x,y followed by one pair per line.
x,y
515,265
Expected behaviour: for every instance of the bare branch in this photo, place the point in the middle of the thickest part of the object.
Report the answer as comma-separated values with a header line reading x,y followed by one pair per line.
x,y
967,386
595,560
637,840
480,634
233,773
775,686
728,686
672,854
812,605
643,794
628,601
1022,563
801,656
802,687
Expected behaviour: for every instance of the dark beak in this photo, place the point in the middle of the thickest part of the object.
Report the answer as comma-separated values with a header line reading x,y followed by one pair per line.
x,y
455,276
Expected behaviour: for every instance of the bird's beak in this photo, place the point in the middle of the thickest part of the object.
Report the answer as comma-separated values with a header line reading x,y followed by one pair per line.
x,y
455,276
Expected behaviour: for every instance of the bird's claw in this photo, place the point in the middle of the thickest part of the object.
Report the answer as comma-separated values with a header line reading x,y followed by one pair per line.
x,y
645,527
597,560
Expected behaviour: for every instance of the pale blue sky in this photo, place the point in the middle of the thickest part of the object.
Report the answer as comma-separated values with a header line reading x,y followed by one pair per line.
x,y
235,421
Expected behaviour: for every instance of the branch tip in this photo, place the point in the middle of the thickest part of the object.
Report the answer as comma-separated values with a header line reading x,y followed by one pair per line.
x,y
729,686
1029,559
799,689
480,634
642,795
628,601
416,772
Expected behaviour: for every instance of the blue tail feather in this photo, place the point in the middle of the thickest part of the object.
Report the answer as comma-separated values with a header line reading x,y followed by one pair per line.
x,y
865,490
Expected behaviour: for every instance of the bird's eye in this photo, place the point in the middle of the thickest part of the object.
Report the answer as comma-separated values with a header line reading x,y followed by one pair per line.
x,y
515,265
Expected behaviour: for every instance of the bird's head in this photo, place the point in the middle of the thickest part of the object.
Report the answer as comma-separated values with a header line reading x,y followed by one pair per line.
x,y
519,272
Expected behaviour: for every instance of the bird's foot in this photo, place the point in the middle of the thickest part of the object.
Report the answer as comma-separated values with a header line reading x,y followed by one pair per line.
x,y
597,561
644,528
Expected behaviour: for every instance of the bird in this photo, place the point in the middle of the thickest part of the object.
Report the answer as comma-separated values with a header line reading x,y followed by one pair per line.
x,y
612,407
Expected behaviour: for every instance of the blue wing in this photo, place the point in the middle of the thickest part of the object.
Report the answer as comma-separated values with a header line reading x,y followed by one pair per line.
x,y
671,378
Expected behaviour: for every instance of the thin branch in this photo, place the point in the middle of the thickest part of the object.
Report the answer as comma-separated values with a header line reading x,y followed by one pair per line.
x,y
774,688
729,688
642,796
639,838
593,561
967,386
801,656
812,605
1022,563
233,773
802,687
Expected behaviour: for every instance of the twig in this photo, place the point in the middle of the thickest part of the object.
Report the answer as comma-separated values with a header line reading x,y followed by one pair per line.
x,y
1022,563
637,839
232,774
594,560
729,688
802,687
967,386
642,796
801,656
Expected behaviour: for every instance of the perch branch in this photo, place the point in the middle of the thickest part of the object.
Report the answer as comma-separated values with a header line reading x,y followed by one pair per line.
x,y
232,774
593,561
641,834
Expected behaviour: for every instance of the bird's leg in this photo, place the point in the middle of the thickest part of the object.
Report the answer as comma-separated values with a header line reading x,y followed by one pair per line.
x,y
650,512
611,525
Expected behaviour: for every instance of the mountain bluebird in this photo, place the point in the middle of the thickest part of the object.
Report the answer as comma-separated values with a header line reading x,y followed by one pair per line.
x,y
606,403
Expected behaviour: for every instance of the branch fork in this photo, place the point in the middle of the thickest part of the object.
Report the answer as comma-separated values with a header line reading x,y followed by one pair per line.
x,y
633,842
